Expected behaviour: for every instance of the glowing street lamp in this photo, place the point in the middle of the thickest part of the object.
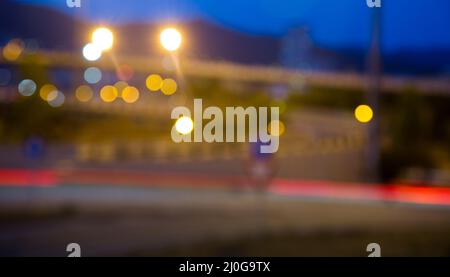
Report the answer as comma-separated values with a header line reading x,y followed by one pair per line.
x,y
170,39
103,38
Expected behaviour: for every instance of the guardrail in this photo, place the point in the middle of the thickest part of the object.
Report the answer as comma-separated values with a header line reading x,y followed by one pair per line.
x,y
243,73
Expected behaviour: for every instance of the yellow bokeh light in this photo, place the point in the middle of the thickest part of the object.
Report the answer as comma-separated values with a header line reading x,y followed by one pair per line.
x,y
130,94
184,125
154,82
170,39
108,93
46,90
84,93
13,50
273,130
363,113
169,86
103,38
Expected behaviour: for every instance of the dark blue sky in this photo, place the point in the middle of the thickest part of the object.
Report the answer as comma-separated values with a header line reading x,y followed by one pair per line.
x,y
408,24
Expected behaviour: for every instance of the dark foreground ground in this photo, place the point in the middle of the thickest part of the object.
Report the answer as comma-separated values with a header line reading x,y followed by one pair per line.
x,y
129,221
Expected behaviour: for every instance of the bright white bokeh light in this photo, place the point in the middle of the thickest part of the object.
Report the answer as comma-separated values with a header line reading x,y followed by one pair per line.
x,y
184,125
92,52
170,39
103,38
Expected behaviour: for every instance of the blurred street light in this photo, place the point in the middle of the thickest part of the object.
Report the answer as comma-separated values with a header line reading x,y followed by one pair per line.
x,y
109,94
184,125
91,52
154,82
276,128
170,39
103,38
130,94
364,113
84,93
169,86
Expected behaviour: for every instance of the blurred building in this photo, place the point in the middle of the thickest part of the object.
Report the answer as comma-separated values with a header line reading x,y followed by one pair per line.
x,y
299,51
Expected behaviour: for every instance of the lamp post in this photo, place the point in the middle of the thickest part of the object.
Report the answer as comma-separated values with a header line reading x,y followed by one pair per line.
x,y
373,97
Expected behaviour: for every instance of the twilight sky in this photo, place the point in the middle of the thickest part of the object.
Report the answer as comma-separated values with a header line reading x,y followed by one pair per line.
x,y
407,24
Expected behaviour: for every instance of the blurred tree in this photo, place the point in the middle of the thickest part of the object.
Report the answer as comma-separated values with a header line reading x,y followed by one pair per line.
x,y
410,135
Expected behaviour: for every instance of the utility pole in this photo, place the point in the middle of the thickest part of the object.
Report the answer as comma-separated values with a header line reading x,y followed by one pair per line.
x,y
373,97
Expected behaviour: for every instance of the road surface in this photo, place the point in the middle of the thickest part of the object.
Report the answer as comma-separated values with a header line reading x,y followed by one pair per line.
x,y
151,221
